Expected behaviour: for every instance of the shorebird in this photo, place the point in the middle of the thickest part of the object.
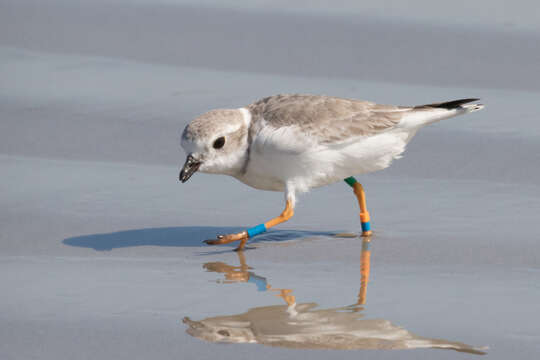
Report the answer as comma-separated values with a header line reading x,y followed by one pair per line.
x,y
292,143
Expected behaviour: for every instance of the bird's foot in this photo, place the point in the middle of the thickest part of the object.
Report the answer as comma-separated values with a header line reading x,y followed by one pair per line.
x,y
225,239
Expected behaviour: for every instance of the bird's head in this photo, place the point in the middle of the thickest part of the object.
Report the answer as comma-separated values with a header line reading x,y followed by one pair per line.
x,y
216,142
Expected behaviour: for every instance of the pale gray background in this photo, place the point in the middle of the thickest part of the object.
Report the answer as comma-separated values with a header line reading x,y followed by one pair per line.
x,y
100,253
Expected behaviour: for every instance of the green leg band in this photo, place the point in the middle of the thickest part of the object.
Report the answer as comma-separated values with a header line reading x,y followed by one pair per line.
x,y
350,181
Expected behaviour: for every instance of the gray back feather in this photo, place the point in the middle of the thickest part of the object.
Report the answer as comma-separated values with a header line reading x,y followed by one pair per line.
x,y
330,119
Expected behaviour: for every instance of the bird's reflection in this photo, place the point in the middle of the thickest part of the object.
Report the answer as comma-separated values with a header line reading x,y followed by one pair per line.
x,y
302,325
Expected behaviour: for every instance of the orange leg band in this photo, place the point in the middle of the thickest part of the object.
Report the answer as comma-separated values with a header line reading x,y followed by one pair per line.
x,y
364,213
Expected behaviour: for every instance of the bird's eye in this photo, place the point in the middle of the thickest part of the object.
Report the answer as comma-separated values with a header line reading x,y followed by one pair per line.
x,y
219,142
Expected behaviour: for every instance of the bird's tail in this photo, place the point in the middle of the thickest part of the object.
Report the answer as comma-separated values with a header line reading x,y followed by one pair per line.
x,y
453,105
430,113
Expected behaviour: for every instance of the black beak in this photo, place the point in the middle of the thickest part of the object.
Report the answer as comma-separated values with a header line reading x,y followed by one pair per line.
x,y
189,168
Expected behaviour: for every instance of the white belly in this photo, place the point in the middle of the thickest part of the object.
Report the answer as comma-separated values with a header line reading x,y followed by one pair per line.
x,y
271,169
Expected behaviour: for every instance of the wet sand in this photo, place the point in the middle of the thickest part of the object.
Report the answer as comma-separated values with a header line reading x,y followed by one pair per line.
x,y
100,247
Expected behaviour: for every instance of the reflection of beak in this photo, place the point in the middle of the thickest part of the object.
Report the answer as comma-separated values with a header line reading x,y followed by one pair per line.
x,y
189,168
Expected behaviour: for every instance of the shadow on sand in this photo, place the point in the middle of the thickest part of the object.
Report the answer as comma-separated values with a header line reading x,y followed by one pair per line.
x,y
184,236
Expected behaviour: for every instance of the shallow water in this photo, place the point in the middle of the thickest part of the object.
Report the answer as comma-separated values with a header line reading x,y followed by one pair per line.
x,y
304,325
101,247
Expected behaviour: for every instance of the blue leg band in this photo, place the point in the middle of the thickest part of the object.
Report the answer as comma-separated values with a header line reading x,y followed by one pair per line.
x,y
259,281
256,230
366,226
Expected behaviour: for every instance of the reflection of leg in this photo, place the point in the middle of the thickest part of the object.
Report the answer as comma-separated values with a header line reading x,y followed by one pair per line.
x,y
242,260
232,273
361,196
364,270
285,294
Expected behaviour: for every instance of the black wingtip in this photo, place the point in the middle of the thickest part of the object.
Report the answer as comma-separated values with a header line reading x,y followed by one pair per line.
x,y
449,104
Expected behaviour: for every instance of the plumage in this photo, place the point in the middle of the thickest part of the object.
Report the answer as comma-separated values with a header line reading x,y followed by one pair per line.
x,y
293,143
329,119
296,142
305,141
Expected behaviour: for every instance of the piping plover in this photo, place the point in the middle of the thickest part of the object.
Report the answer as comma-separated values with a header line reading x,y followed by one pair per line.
x,y
293,143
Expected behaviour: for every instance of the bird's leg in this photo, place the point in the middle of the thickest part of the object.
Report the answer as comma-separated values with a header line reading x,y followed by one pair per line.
x,y
287,213
364,213
361,196
256,230
225,239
